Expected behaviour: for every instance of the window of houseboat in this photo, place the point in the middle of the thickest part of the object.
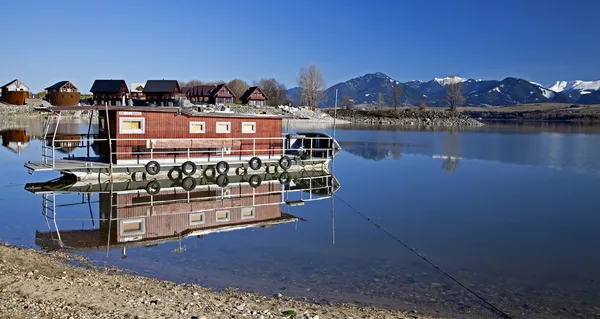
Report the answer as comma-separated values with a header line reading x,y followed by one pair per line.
x,y
197,218
133,226
197,127
248,212
249,127
223,215
132,125
223,127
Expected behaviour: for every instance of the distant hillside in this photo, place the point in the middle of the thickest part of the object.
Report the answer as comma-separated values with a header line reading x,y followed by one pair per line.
x,y
365,90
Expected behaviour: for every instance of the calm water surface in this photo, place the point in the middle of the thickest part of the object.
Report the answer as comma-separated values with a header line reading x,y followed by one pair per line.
x,y
509,210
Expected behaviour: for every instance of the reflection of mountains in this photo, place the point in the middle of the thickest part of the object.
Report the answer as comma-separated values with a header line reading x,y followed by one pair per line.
x,y
129,216
575,152
376,151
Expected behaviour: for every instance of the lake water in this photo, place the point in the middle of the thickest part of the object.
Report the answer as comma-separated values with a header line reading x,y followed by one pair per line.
x,y
511,211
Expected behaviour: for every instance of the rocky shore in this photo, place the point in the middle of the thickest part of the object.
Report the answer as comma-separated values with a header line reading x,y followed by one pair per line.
x,y
45,285
408,116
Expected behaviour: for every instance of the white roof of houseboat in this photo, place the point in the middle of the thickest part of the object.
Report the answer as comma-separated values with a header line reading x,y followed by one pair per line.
x,y
161,109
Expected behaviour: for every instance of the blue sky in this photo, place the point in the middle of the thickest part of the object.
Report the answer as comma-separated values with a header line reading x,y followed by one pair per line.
x,y
539,40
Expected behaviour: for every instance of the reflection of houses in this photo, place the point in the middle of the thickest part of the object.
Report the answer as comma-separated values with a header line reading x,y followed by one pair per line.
x,y
63,93
15,140
15,92
109,92
254,96
162,92
219,94
137,91
67,138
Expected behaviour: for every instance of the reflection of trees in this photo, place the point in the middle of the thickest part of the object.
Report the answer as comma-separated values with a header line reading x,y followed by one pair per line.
x,y
376,151
450,164
452,147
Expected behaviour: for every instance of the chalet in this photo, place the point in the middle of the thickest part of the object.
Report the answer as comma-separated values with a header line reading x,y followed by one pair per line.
x,y
254,96
221,95
109,92
15,92
137,91
63,93
199,93
162,92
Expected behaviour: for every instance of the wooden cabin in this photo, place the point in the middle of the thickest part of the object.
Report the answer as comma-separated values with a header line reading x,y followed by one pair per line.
x,y
162,92
63,93
15,140
221,94
212,94
139,218
254,96
137,91
109,92
15,92
153,127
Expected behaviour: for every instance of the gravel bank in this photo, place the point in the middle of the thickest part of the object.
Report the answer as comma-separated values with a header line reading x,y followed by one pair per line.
x,y
406,117
42,285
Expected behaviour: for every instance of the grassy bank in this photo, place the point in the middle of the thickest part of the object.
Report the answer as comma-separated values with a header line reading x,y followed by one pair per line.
x,y
537,112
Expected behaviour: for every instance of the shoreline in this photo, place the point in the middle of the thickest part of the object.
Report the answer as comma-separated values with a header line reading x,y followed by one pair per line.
x,y
40,284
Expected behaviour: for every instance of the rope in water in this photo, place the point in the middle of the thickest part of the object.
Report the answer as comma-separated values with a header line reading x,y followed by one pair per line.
x,y
413,250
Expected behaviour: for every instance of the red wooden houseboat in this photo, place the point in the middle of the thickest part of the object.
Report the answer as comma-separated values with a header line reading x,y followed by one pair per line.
x,y
146,141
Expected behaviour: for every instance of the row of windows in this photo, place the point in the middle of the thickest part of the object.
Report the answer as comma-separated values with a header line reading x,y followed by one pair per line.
x,y
137,226
138,126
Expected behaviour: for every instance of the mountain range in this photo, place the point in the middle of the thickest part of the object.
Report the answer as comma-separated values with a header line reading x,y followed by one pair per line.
x,y
509,91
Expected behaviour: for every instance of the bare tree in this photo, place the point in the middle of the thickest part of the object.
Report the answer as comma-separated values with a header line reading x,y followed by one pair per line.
x,y
312,85
397,92
275,91
238,88
380,100
423,105
454,95
406,102
347,101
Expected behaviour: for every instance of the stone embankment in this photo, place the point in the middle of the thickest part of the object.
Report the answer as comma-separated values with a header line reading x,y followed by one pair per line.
x,y
42,285
406,117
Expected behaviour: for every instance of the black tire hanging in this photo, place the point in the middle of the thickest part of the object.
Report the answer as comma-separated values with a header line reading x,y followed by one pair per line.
x,y
255,163
222,180
222,167
174,174
285,178
285,162
188,168
153,187
255,181
152,168
188,183
209,172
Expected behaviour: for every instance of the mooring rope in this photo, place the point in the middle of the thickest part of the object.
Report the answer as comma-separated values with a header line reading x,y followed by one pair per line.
x,y
413,250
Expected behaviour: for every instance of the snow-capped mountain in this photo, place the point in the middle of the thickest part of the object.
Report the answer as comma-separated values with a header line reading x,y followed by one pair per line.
x,y
366,89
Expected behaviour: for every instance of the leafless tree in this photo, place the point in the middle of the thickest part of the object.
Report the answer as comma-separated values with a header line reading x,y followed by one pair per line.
x,y
454,95
312,85
275,91
406,102
423,105
238,88
380,100
397,92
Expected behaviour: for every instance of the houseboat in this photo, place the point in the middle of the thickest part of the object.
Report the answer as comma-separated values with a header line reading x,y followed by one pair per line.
x,y
129,216
142,142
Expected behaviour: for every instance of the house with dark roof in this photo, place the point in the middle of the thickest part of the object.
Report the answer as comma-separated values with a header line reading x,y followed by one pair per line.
x,y
162,92
254,96
221,94
15,92
136,91
109,92
63,93
198,93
